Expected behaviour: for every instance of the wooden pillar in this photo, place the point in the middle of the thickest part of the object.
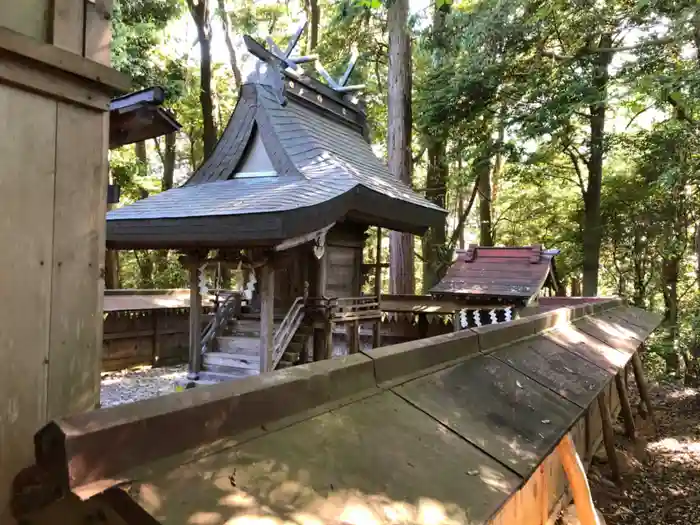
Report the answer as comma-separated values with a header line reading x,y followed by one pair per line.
x,y
377,327
609,438
267,316
321,334
638,369
195,354
353,334
455,322
156,337
576,474
625,406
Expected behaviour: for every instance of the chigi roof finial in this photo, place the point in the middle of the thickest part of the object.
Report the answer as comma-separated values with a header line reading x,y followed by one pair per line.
x,y
292,63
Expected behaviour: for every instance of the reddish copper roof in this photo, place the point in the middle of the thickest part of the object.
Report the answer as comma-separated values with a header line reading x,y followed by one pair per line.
x,y
511,274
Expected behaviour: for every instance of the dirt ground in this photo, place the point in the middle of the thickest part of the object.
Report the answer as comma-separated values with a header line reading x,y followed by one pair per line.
x,y
661,475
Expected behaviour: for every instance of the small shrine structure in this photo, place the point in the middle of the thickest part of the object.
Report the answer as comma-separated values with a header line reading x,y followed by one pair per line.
x,y
286,197
493,284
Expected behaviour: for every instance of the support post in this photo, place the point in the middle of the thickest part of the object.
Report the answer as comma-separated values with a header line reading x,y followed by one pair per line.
x,y
377,327
267,319
638,369
576,474
328,340
195,320
625,406
609,438
455,322
155,357
353,335
320,337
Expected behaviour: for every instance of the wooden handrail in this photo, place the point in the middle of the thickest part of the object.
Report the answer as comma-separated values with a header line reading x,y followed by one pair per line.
x,y
226,310
287,328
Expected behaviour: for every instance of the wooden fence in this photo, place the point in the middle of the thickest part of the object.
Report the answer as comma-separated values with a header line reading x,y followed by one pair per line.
x,y
146,327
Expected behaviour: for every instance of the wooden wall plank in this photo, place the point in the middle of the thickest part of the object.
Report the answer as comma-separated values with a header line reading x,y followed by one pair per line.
x,y
29,17
74,363
68,25
98,31
28,131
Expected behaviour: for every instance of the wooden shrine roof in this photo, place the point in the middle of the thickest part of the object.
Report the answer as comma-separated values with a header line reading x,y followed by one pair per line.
x,y
320,170
495,274
455,424
139,116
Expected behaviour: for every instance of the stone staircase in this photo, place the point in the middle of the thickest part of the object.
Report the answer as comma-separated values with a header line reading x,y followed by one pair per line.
x,y
237,353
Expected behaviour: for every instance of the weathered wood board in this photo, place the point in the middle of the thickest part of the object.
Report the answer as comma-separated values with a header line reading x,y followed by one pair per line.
x,y
513,418
374,458
27,151
614,334
558,369
29,17
74,363
605,357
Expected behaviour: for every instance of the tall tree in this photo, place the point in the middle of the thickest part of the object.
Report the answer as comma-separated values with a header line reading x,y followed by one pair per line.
x,y
313,13
399,136
201,15
435,140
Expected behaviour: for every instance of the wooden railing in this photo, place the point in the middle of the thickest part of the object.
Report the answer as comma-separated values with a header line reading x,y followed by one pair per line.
x,y
284,334
228,310
347,309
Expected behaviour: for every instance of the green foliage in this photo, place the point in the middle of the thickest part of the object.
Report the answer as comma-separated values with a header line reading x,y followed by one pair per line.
x,y
531,69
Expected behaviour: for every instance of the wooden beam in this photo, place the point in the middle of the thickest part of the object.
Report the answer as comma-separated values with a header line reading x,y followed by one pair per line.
x,y
625,406
609,438
194,363
302,239
639,377
104,78
267,313
576,474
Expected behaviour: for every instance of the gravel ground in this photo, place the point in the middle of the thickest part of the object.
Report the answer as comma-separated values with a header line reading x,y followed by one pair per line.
x,y
662,476
128,386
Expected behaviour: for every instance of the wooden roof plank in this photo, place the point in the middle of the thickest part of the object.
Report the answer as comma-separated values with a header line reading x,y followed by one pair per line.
x,y
496,408
560,370
334,466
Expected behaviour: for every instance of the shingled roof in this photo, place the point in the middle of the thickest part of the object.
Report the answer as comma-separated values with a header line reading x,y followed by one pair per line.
x,y
510,275
293,159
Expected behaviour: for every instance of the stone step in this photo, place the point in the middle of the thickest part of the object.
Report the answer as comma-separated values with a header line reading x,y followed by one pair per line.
x,y
208,376
249,346
223,359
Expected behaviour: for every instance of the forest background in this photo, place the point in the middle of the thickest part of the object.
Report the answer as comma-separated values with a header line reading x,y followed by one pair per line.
x,y
574,124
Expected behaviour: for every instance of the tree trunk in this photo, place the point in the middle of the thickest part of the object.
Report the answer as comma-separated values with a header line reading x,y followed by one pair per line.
x,y
575,287
670,270
482,169
435,250
434,241
313,13
592,234
202,18
399,137
165,185
168,162
485,222
223,15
